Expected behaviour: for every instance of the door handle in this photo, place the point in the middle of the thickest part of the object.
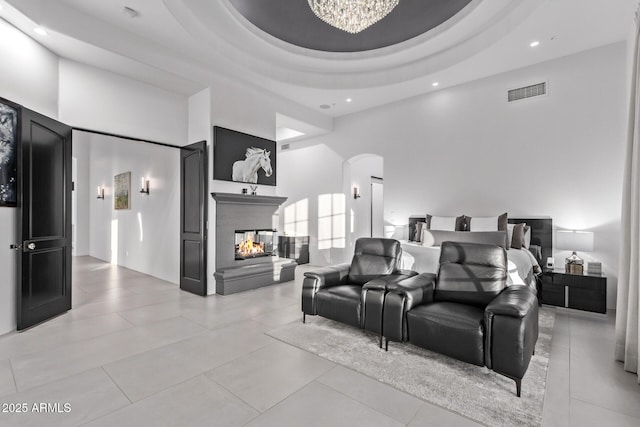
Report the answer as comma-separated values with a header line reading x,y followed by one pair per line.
x,y
31,246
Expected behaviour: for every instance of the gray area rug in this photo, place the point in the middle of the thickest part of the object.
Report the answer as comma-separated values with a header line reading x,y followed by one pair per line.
x,y
469,390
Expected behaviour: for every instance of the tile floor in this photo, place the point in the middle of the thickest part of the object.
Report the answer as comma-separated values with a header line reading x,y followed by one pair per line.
x,y
135,350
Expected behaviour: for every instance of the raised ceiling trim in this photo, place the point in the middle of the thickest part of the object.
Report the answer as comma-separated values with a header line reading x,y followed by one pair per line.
x,y
264,57
294,22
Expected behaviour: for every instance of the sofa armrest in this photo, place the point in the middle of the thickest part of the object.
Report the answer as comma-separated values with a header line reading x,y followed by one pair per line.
x,y
373,295
328,276
408,273
322,277
514,301
386,282
402,297
511,331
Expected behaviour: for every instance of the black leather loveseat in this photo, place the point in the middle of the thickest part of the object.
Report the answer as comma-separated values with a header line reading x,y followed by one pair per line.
x,y
354,293
467,311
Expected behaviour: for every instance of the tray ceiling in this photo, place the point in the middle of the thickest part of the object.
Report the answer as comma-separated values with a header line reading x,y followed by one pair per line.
x,y
295,23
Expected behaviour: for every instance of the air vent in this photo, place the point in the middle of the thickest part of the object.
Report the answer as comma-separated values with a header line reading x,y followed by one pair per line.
x,y
284,147
528,92
130,12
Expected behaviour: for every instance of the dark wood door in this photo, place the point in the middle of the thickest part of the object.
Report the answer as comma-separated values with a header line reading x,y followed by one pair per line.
x,y
193,218
44,219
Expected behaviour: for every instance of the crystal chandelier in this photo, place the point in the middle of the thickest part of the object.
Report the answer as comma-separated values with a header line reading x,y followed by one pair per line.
x,y
352,16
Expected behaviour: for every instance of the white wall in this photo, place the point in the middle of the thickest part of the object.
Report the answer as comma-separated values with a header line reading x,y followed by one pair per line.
x,y
362,168
146,237
312,179
465,150
83,192
29,72
96,99
245,109
29,76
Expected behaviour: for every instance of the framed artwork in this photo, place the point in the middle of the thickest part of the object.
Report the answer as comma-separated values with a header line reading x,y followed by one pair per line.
x,y
122,191
241,157
8,153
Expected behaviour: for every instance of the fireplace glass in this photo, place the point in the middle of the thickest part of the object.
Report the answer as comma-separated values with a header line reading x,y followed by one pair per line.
x,y
255,243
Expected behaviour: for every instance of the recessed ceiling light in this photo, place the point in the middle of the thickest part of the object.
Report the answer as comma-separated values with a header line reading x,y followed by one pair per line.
x,y
41,31
435,84
349,99
0,7
534,43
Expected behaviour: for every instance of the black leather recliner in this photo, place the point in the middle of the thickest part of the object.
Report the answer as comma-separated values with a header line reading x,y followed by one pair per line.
x,y
467,311
354,293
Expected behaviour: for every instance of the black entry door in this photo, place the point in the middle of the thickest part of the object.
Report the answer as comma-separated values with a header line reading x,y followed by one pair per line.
x,y
44,219
193,218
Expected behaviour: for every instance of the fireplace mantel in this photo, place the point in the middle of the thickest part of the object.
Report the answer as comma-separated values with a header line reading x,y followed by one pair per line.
x,y
244,199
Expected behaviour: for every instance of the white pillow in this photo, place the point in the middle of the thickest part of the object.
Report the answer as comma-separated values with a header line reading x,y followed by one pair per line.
x,y
427,238
487,223
446,223
527,237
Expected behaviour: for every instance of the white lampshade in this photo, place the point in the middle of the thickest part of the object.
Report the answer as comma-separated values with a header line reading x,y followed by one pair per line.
x,y
571,240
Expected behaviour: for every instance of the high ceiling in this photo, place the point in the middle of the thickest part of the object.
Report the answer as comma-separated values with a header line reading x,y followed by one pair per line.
x,y
185,45
295,23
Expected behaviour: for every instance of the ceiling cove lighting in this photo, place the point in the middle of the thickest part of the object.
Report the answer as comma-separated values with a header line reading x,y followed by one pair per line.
x,y
352,16
41,31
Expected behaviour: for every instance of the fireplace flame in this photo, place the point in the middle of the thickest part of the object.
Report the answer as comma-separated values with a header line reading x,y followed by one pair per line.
x,y
249,247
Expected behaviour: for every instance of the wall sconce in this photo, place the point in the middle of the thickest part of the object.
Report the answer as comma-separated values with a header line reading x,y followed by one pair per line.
x,y
356,192
100,193
144,185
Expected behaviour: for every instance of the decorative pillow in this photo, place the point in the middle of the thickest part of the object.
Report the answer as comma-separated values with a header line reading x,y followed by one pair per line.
x,y
447,223
487,223
517,238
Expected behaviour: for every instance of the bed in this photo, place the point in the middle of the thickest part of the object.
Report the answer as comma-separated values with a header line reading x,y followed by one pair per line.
x,y
524,264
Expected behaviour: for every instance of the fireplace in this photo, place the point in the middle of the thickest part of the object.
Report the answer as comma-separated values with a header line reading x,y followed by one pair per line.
x,y
255,243
240,218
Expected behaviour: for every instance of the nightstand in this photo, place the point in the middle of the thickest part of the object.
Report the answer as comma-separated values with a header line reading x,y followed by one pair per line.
x,y
580,291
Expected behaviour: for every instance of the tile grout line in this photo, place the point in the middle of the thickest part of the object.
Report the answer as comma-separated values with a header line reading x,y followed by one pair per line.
x,y
117,385
208,378
125,319
422,402
606,409
13,375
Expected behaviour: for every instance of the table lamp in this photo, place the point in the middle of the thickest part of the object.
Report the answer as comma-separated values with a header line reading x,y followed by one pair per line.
x,y
574,241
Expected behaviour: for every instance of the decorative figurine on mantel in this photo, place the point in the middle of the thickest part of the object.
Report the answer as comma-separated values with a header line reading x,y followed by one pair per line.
x,y
254,190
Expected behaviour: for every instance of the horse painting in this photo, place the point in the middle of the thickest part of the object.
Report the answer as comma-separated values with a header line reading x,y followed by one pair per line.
x,y
8,129
247,170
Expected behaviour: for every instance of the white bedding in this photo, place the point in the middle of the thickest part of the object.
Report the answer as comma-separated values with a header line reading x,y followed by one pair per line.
x,y
425,259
